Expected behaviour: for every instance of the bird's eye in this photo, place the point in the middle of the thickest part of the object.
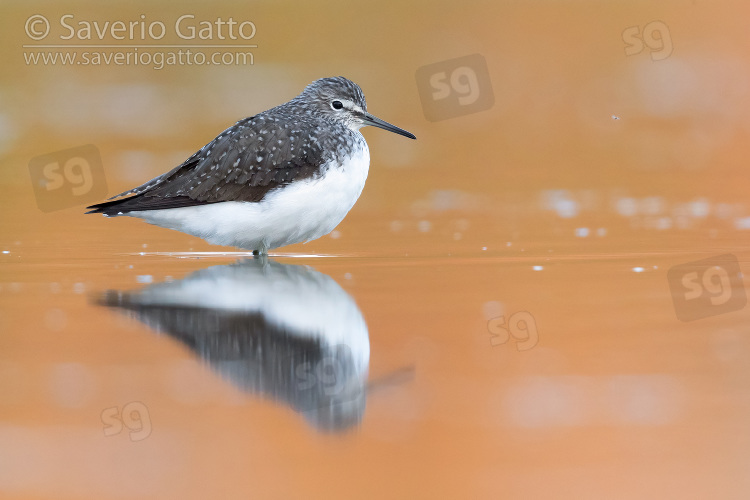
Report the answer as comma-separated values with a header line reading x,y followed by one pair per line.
x,y
337,105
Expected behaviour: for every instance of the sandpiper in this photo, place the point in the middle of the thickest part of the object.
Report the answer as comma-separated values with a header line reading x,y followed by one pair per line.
x,y
287,175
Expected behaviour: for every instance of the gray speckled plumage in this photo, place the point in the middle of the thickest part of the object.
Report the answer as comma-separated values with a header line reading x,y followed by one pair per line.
x,y
290,142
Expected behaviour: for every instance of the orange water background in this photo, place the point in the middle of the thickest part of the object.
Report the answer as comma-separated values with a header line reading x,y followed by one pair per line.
x,y
591,175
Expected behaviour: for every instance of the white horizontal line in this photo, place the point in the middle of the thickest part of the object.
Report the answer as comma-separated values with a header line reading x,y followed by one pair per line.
x,y
228,254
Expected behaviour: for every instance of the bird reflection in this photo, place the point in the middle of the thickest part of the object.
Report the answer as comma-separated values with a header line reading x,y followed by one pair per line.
x,y
284,331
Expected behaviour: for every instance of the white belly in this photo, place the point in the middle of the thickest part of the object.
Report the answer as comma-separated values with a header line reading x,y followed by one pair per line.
x,y
298,212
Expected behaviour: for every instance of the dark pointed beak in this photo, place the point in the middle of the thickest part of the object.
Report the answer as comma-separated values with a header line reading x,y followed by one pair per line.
x,y
368,119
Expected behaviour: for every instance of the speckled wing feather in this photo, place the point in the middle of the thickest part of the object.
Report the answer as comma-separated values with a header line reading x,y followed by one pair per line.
x,y
243,163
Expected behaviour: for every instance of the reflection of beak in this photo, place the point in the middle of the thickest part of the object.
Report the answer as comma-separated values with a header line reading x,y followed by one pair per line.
x,y
368,119
396,377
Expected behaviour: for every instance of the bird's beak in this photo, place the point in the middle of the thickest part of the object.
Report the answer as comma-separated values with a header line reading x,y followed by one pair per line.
x,y
368,119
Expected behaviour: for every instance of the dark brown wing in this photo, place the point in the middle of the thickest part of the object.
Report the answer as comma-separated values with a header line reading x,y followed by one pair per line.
x,y
243,163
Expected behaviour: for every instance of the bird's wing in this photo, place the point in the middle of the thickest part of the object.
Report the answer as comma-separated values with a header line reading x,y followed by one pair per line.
x,y
243,163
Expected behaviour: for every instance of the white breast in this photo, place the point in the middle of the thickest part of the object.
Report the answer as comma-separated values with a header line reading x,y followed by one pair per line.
x,y
299,212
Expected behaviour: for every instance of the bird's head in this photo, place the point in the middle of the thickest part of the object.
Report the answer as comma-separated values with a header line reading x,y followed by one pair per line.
x,y
341,100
